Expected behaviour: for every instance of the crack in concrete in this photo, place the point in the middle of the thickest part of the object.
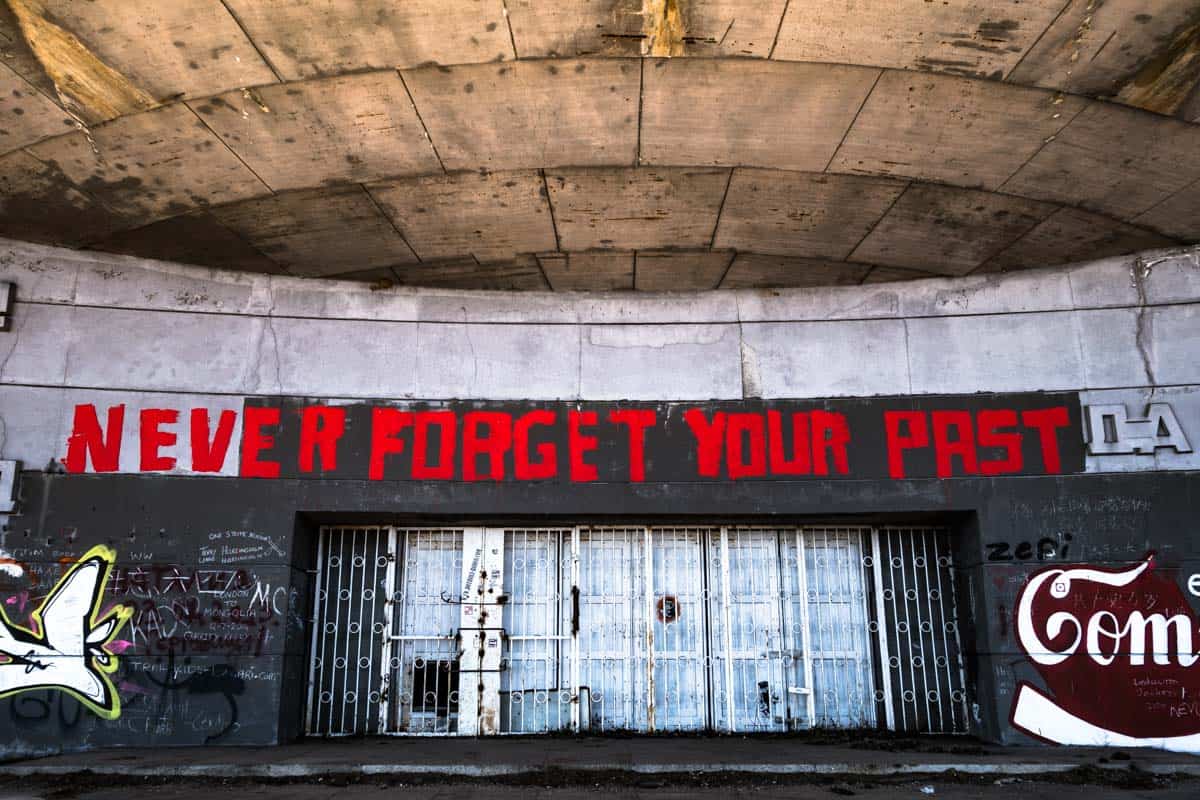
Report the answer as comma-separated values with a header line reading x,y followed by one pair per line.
x,y
1138,273
474,355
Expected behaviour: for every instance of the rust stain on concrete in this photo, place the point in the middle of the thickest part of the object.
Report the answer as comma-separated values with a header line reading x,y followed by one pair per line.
x,y
86,84
663,25
1164,83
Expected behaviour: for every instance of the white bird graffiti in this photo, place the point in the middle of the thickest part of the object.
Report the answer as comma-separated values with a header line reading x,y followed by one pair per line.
x,y
65,648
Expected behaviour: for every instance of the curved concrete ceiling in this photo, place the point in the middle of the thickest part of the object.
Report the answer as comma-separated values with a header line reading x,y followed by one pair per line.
x,y
670,144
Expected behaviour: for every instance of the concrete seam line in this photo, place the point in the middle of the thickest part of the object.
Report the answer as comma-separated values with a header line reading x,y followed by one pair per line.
x,y
623,323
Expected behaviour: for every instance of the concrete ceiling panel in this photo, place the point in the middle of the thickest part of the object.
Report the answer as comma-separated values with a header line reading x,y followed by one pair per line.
x,y
27,115
631,208
1113,159
318,233
757,271
975,38
948,231
596,271
619,27
350,128
39,203
894,274
952,130
304,39
1100,48
1071,235
17,54
520,274
802,214
1178,215
152,165
680,270
190,239
530,114
168,48
491,216
747,112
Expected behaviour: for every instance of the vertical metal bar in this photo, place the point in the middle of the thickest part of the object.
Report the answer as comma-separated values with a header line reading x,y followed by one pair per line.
x,y
805,635
386,689
881,629
864,639
318,622
930,667
577,701
648,575
727,624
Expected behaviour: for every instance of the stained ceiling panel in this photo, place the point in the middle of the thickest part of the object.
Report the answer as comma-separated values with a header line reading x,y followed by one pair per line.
x,y
317,233
152,165
747,112
1102,49
352,128
306,39
757,271
190,239
802,214
680,270
636,208
628,27
978,39
951,130
521,274
168,49
596,271
1072,235
491,216
27,115
530,114
39,203
1113,159
948,231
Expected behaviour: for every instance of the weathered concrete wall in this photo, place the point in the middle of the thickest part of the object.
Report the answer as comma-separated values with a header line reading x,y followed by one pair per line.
x,y
213,567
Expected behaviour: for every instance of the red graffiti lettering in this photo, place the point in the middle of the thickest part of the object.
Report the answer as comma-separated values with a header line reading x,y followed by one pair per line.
x,y
320,429
386,423
447,424
152,438
208,457
254,442
493,446
637,420
87,439
546,464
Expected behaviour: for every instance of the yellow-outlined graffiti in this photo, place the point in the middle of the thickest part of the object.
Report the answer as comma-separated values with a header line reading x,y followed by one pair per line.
x,y
66,646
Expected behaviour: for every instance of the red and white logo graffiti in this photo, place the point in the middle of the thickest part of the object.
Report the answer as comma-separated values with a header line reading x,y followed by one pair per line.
x,y
1117,650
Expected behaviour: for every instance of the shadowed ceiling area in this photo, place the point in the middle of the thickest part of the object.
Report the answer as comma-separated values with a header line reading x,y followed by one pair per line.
x,y
577,145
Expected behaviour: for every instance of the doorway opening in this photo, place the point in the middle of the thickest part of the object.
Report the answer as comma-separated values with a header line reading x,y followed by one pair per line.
x,y
478,630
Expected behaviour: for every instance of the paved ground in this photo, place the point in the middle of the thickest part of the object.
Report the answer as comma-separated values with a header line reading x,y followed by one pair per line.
x,y
511,756
717,768
1005,789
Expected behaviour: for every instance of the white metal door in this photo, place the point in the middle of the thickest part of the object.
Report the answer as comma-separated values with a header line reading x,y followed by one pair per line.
x,y
537,693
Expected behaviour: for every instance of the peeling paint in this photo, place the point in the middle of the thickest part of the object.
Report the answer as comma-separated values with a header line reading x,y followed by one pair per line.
x,y
84,82
662,22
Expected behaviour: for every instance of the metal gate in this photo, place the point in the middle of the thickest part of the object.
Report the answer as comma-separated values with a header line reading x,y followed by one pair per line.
x,y
532,630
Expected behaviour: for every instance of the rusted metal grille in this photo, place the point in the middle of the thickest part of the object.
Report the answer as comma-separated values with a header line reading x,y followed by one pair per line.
x,y
735,628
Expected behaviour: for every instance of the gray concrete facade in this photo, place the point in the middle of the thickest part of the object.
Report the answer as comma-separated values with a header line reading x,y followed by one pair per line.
x,y
1122,334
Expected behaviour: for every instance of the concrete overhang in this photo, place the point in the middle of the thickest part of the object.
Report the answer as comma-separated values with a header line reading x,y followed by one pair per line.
x,y
662,145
